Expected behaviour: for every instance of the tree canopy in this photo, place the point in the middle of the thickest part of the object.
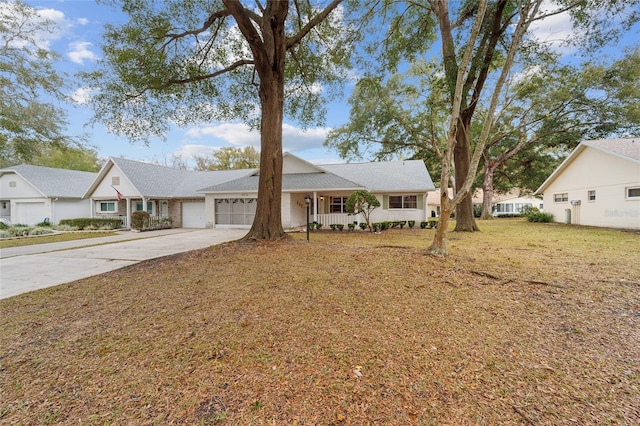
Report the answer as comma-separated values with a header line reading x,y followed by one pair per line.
x,y
229,158
30,87
180,62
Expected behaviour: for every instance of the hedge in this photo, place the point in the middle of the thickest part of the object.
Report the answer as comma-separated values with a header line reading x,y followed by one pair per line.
x,y
95,222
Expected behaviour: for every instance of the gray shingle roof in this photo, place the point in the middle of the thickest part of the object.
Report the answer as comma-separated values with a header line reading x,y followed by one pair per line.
x,y
290,182
629,147
159,181
387,176
54,182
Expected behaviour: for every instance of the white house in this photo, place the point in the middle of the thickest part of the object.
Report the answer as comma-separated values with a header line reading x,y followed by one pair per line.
x,y
33,194
400,186
598,184
513,201
124,186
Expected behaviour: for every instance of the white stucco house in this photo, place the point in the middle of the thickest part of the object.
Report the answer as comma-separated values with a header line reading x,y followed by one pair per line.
x,y
400,186
224,199
33,194
598,184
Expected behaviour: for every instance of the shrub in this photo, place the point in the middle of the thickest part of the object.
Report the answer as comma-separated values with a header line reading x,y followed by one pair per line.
x,y
65,228
351,226
362,225
43,224
411,223
376,226
432,223
319,226
402,223
423,225
4,233
3,225
362,202
332,226
82,223
139,220
385,225
40,230
533,214
340,226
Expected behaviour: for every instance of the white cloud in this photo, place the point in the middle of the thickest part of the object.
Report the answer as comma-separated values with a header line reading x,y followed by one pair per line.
x,y
83,21
294,139
554,30
79,51
82,96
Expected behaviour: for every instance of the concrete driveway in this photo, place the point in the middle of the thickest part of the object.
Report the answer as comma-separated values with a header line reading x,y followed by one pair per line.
x,y
29,268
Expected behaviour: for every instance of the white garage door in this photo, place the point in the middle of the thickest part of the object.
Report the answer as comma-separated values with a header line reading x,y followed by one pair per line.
x,y
193,215
30,213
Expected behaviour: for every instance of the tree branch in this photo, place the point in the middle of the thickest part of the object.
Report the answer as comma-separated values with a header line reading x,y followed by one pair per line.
x,y
297,38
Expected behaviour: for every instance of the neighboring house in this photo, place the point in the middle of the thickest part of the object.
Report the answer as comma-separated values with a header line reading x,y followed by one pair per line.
x,y
512,202
125,186
33,194
598,184
400,186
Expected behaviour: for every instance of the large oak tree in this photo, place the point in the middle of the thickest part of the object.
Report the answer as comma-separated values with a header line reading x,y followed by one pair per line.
x,y
177,62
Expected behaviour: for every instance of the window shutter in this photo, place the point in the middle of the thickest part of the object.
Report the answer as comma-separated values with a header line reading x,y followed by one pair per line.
x,y
385,202
326,204
420,201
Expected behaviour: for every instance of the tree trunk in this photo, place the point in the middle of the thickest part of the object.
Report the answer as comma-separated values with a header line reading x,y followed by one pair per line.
x,y
439,245
487,191
269,56
465,221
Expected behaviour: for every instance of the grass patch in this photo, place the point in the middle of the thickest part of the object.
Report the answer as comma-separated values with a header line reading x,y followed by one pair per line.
x,y
55,238
522,324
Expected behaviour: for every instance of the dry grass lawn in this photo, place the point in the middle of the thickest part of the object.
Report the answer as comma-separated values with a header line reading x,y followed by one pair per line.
x,y
522,324
53,238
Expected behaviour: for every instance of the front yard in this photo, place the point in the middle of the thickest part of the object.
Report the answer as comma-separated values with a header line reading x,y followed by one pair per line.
x,y
522,324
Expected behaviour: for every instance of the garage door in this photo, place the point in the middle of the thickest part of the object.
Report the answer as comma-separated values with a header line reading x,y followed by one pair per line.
x,y
30,213
193,215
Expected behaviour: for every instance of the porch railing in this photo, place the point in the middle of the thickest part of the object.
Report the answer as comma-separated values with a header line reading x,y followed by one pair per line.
x,y
336,218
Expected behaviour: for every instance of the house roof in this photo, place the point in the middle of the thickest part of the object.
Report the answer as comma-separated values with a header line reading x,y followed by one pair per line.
x,y
388,176
626,148
152,180
52,182
290,182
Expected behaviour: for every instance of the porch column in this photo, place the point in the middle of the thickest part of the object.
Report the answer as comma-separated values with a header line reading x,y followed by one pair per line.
x,y
315,206
92,208
128,224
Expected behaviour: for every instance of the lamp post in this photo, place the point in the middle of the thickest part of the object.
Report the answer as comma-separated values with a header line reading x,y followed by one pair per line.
x,y
307,200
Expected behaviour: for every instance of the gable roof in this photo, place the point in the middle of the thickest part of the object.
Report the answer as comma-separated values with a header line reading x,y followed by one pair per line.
x,y
625,148
152,180
290,182
52,182
388,176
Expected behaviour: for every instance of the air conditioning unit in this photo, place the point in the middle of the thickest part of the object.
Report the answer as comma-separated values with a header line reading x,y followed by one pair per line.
x,y
576,202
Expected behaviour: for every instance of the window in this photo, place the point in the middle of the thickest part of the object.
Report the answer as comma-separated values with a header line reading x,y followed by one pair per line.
x,y
633,192
149,206
12,184
541,206
108,207
561,198
591,195
115,180
403,201
336,204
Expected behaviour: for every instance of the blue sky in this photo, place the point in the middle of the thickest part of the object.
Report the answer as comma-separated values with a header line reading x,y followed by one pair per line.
x,y
78,43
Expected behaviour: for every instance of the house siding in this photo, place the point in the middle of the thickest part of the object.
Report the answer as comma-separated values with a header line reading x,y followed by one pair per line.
x,y
607,175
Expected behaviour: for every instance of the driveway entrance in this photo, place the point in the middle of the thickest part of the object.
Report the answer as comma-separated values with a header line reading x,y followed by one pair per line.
x,y
31,268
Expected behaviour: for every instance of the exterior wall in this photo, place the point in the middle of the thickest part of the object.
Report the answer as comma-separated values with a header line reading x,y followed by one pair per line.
x,y
606,174
296,165
382,214
116,178
70,209
13,186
